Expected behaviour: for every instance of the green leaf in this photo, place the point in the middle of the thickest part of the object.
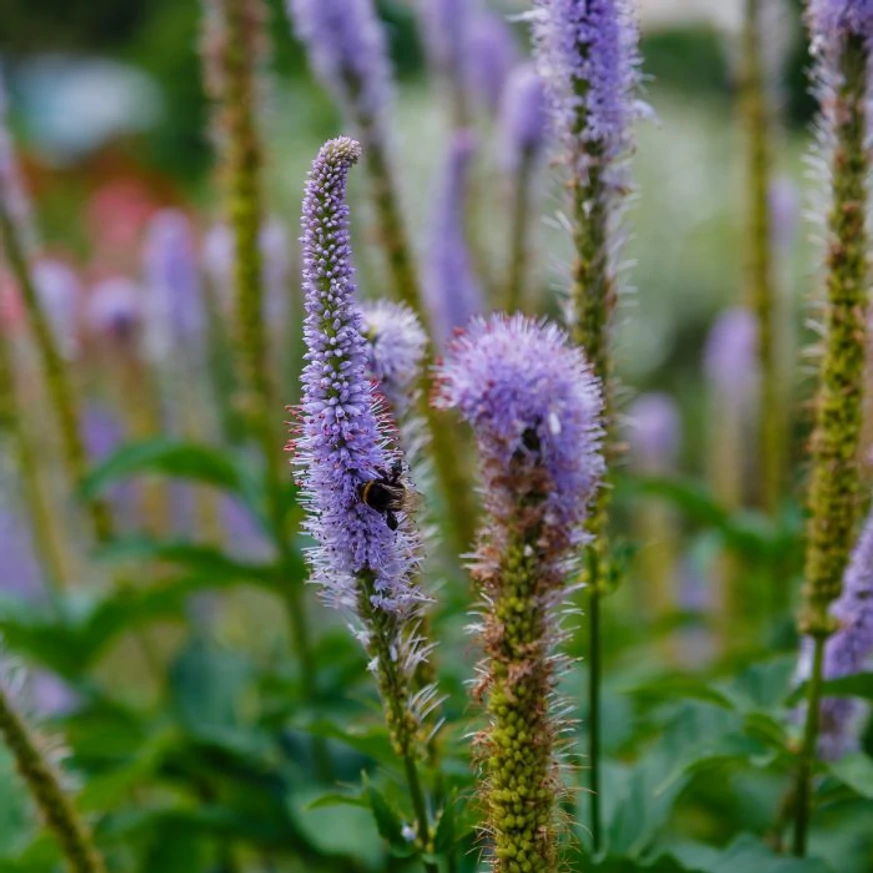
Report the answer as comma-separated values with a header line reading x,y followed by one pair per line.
x,y
857,685
746,853
169,457
337,799
856,771
672,687
388,821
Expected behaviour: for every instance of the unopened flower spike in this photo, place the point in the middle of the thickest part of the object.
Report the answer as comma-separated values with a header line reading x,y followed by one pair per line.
x,y
368,550
535,410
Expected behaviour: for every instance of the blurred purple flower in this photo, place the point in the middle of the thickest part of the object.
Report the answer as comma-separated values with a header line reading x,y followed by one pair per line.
x,y
176,314
587,53
730,358
451,290
846,652
115,310
445,27
654,432
20,573
346,47
396,346
830,21
59,295
524,119
492,53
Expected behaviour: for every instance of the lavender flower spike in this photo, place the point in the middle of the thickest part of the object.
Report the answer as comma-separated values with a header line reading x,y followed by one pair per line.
x,y
492,54
654,433
452,292
535,410
59,293
365,566
172,276
847,651
524,121
347,50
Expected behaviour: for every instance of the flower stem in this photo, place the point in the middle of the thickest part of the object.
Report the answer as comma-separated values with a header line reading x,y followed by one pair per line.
x,y
807,759
518,236
42,523
762,290
60,388
60,816
595,673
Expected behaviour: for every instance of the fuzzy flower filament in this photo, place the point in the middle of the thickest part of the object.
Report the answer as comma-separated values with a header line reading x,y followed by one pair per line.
x,y
534,407
364,568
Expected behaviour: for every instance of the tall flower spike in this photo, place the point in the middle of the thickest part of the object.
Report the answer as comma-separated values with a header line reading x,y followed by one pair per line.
x,y
445,28
397,345
587,53
534,407
172,277
452,290
347,50
847,651
59,295
524,127
492,55
366,559
841,39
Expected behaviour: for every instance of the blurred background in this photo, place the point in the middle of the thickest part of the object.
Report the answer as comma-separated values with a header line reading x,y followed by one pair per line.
x,y
109,116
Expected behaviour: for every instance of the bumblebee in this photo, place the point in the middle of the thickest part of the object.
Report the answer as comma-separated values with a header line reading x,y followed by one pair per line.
x,y
387,494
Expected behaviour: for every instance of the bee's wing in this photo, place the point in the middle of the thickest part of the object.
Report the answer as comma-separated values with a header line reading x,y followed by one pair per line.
x,y
413,500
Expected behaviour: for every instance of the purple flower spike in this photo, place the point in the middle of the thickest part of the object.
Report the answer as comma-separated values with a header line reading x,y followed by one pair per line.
x,y
172,277
445,29
346,47
832,20
529,396
115,309
59,294
451,290
654,432
847,652
587,53
730,357
343,441
492,55
396,344
524,118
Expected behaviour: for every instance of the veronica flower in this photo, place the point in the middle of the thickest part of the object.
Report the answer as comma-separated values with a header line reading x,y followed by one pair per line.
x,y
452,291
841,40
524,127
172,278
445,29
587,53
44,784
366,560
492,54
534,407
397,346
59,293
115,310
846,652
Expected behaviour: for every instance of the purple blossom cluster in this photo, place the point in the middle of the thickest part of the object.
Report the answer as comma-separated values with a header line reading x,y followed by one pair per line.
x,y
846,652
347,50
396,346
587,53
451,289
830,21
530,398
654,432
343,442
524,118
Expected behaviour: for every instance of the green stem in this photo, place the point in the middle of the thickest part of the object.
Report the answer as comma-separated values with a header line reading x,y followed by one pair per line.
x,y
518,236
595,672
41,520
763,295
60,816
808,751
61,393
394,688
245,210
